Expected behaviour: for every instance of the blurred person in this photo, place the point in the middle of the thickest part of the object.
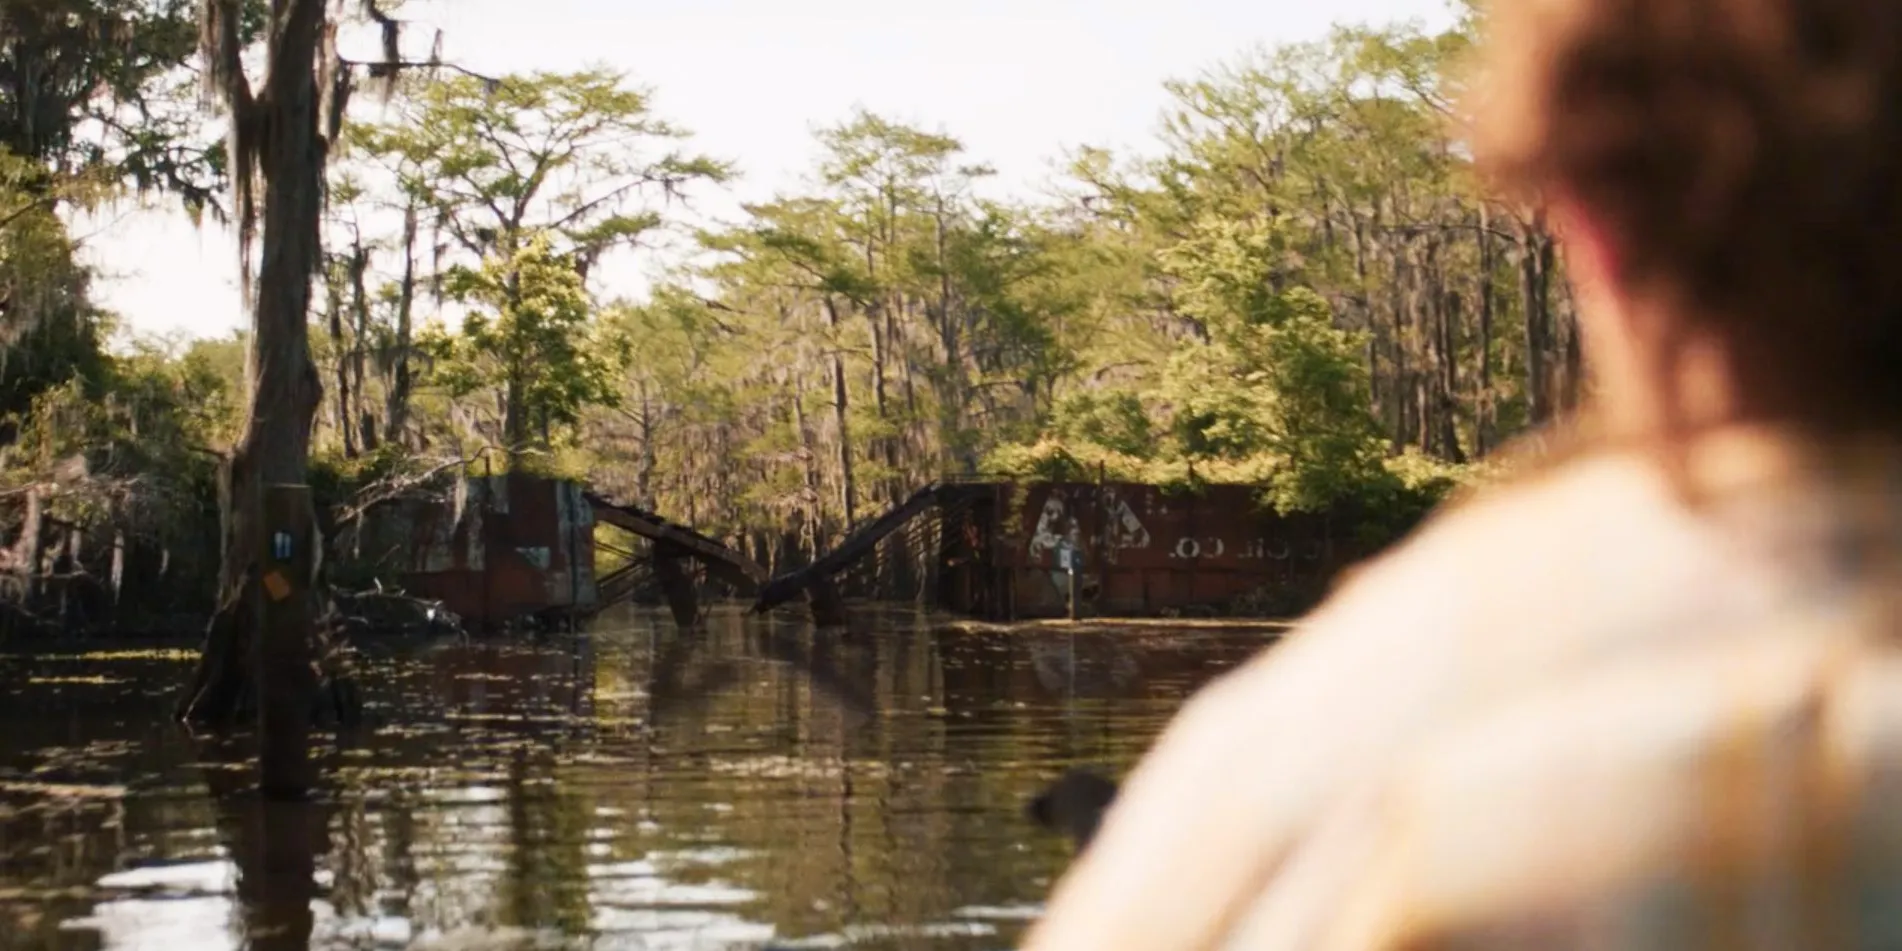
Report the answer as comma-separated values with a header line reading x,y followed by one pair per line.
x,y
1643,693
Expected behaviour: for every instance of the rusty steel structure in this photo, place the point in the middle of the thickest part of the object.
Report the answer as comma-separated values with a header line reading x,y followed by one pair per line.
x,y
507,546
516,546
675,548
815,580
993,549
1141,549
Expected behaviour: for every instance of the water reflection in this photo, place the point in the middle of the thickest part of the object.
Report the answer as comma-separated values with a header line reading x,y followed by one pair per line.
x,y
627,788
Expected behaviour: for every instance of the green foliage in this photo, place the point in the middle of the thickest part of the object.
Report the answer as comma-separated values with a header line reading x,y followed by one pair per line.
x,y
1214,410
1327,433
49,330
529,182
1275,393
570,157
529,334
1060,461
1114,420
1304,262
132,453
96,89
1232,273
119,446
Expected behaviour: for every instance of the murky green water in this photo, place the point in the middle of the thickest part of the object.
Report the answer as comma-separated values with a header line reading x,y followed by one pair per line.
x,y
754,785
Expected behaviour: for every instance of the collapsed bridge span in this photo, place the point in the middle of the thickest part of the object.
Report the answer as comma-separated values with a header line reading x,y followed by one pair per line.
x,y
674,545
816,579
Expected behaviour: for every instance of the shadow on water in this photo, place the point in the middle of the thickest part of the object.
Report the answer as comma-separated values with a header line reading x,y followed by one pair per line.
x,y
632,787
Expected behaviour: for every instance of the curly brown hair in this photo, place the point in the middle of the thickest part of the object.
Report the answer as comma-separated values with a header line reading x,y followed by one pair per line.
x,y
1743,158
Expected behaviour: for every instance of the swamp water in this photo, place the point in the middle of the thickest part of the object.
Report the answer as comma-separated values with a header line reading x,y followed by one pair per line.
x,y
751,785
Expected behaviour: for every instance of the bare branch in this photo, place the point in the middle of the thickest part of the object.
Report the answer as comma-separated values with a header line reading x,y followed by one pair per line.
x,y
384,70
392,487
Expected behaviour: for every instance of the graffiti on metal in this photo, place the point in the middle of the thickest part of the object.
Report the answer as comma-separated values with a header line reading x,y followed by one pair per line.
x,y
1055,528
1186,547
1125,529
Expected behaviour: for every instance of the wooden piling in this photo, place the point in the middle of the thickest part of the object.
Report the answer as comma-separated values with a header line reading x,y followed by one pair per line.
x,y
670,570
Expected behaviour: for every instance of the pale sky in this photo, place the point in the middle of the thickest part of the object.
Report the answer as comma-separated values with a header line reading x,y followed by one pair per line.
x,y
1018,82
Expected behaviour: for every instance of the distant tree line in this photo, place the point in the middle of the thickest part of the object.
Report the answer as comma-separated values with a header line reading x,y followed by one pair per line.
x,y
1301,287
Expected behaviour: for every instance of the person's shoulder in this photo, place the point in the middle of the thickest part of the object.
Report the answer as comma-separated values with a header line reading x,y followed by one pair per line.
x,y
1497,825
1527,536
1495,587
1499,582
1398,624
1548,508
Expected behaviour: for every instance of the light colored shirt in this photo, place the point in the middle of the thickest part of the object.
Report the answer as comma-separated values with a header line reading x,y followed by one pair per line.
x,y
1574,712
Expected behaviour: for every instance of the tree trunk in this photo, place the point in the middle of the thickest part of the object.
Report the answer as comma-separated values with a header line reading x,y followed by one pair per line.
x,y
359,335
1447,352
340,346
1483,410
644,474
515,419
117,575
847,490
1535,267
277,137
67,568
1417,346
952,414
1401,343
517,422
1376,385
30,551
881,352
1571,358
396,409
810,503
